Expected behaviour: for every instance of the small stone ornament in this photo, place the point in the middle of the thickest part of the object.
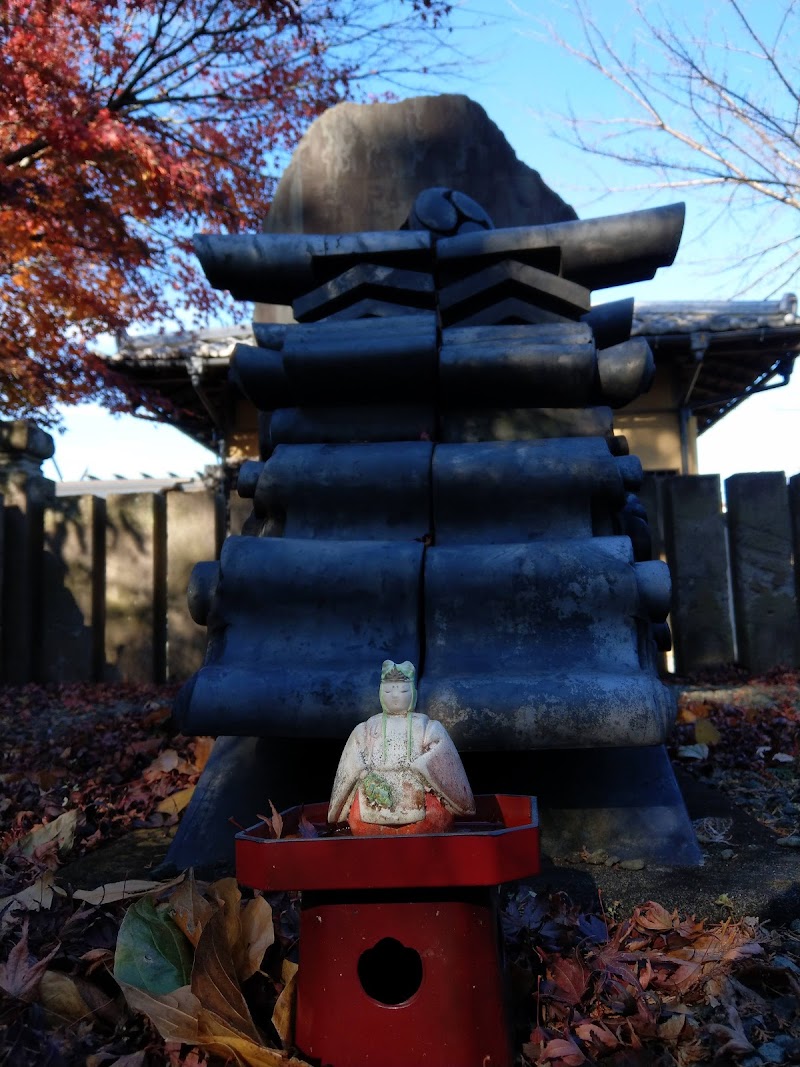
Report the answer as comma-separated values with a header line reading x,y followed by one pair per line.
x,y
400,772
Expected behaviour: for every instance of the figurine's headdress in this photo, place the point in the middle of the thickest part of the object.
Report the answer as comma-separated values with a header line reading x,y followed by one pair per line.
x,y
399,672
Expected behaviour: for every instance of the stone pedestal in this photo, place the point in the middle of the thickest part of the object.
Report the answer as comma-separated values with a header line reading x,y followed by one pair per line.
x,y
26,493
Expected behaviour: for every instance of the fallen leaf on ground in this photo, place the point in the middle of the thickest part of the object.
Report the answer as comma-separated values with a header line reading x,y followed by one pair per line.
x,y
60,832
214,980
61,999
257,934
20,975
284,1012
175,803
562,1052
36,897
130,887
173,1014
165,762
189,910
706,733
151,952
202,748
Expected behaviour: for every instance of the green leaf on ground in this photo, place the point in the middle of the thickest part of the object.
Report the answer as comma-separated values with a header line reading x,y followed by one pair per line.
x,y
152,953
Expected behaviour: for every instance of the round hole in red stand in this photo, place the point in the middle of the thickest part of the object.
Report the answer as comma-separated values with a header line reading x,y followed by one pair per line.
x,y
389,972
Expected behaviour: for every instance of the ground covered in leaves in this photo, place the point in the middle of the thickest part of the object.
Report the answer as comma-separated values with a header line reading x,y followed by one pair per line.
x,y
139,974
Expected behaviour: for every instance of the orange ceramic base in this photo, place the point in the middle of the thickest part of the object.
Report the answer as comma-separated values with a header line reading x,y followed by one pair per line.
x,y
437,820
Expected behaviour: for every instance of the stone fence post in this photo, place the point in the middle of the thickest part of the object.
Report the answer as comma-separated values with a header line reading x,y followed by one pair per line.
x,y
26,493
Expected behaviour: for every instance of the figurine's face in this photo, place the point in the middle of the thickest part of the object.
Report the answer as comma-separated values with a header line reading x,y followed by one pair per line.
x,y
396,697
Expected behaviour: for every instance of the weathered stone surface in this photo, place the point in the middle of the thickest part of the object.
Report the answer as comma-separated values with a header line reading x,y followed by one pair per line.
x,y
361,166
698,557
767,624
191,535
130,572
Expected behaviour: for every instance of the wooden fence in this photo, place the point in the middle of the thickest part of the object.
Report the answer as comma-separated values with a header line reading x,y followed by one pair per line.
x,y
95,589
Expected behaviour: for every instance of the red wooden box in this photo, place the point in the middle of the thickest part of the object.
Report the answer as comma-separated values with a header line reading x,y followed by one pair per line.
x,y
500,843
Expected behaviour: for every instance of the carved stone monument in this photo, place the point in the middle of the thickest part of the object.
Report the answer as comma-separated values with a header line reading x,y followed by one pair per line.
x,y
441,482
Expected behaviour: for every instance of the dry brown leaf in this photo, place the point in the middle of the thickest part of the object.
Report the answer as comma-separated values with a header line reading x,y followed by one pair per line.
x,y
598,1034
125,890
189,910
19,975
202,748
165,762
257,934
284,1012
175,803
61,999
652,916
274,821
173,1014
97,957
37,897
214,979
672,1028
226,892
562,1051
240,1050
60,833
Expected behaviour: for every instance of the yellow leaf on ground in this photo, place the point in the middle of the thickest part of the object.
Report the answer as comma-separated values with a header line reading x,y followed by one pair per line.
x,y
246,1053
283,1015
176,802
257,934
61,999
706,733
202,750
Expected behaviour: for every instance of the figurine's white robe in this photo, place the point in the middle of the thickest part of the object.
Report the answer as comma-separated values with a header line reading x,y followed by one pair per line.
x,y
433,757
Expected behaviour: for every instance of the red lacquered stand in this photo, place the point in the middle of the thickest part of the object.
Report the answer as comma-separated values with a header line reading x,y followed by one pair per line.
x,y
401,959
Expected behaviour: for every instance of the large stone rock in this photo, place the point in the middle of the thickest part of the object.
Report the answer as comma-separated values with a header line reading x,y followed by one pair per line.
x,y
360,167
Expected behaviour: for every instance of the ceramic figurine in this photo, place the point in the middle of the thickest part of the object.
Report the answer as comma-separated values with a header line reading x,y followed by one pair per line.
x,y
399,772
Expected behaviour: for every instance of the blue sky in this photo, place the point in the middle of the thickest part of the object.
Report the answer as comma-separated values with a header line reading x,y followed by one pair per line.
x,y
524,81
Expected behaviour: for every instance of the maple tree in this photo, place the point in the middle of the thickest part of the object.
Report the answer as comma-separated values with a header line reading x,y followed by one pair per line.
x,y
127,126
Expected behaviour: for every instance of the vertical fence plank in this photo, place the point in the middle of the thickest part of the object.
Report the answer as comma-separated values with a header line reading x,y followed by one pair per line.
x,y
765,606
130,624
68,569
25,497
651,496
697,552
191,537
794,512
